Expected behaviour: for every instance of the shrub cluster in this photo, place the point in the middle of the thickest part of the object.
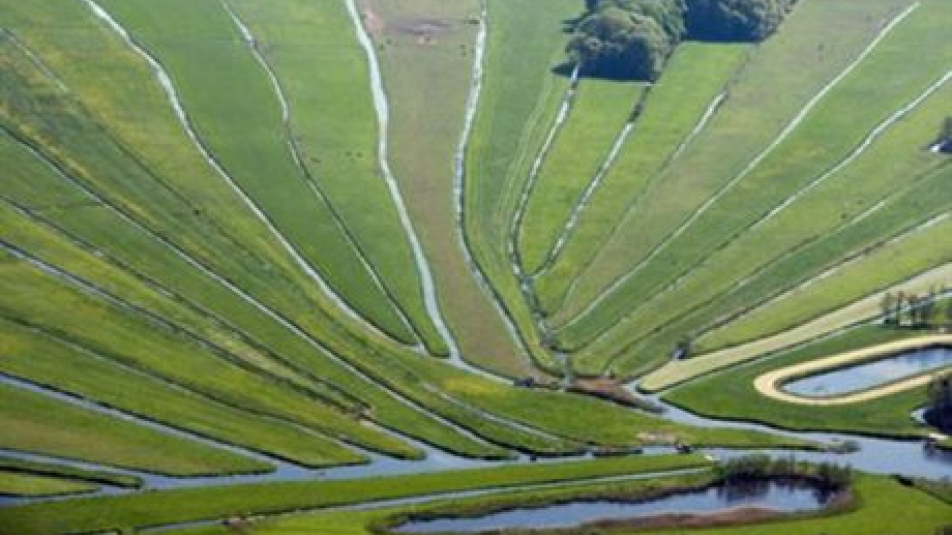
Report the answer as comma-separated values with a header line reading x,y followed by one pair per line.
x,y
631,39
828,476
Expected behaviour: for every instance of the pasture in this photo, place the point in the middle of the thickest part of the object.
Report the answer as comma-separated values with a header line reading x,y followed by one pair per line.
x,y
292,266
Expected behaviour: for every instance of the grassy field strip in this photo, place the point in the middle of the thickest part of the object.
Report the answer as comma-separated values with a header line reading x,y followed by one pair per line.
x,y
834,241
106,382
460,178
126,114
454,438
771,384
884,505
298,158
588,313
517,264
600,110
159,351
38,423
471,422
32,238
512,123
569,227
606,426
85,515
331,126
855,314
358,515
34,58
731,143
383,118
319,418
264,460
325,417
906,264
11,463
675,110
22,484
625,336
384,315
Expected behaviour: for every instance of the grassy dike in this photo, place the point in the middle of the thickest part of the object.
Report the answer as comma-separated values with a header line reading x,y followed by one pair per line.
x,y
188,505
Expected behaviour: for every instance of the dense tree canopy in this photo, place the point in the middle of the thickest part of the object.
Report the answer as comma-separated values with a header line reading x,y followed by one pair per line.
x,y
734,20
631,39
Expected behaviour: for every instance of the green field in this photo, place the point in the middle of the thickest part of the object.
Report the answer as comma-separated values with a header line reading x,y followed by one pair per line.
x,y
262,257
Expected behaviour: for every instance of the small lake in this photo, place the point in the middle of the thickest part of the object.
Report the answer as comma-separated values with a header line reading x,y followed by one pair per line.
x,y
780,496
872,374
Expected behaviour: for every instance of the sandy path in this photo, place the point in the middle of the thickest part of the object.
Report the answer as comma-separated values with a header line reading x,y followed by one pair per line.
x,y
770,384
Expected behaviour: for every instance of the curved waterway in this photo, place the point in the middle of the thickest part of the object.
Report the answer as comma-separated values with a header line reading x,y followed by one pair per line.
x,y
776,496
872,374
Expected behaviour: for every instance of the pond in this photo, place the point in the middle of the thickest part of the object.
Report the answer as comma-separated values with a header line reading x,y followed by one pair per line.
x,y
871,374
778,496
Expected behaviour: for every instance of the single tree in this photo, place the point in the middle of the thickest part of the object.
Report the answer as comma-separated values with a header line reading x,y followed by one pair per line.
x,y
888,308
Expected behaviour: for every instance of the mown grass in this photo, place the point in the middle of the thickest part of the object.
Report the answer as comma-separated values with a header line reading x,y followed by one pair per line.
x,y
33,422
802,58
583,419
33,356
826,136
129,247
512,124
671,111
324,77
916,254
427,121
204,54
317,325
185,505
891,188
731,394
33,485
601,109
879,505
100,477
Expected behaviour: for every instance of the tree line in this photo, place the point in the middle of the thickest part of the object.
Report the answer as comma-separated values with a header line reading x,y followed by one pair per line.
x,y
632,39
915,311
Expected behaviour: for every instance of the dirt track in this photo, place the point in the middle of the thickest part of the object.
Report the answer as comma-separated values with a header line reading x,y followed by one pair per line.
x,y
768,384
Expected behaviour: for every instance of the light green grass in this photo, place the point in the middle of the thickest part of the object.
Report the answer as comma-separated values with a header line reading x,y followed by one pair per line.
x,y
826,136
426,128
57,470
185,505
802,58
198,44
600,111
101,228
32,485
40,359
513,122
35,423
324,77
894,176
916,254
673,108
